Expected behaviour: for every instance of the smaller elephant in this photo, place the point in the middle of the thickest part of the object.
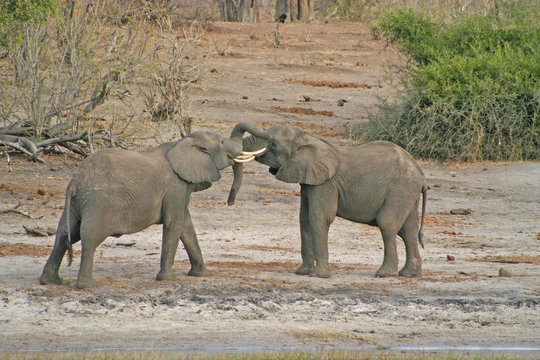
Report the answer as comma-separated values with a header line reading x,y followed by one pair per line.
x,y
377,183
116,192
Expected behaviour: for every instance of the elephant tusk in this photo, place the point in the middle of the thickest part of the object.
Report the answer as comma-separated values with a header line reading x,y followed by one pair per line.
x,y
239,159
254,153
244,157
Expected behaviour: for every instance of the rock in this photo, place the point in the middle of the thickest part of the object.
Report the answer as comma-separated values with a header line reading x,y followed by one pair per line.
x,y
450,257
504,272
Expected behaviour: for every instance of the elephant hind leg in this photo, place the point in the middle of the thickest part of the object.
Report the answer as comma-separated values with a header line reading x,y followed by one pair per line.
x,y
409,234
91,237
50,274
389,220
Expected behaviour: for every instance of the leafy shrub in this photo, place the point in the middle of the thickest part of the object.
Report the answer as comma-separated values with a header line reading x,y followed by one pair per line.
x,y
472,90
16,14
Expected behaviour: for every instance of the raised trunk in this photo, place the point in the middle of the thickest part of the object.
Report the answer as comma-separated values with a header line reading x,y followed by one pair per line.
x,y
250,143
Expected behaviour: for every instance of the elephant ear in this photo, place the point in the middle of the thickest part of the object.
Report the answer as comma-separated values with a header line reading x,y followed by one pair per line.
x,y
193,164
313,162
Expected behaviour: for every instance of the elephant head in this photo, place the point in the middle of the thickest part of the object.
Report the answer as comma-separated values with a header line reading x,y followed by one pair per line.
x,y
292,155
199,157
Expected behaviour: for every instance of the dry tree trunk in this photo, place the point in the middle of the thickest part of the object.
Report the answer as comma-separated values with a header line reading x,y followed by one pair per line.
x,y
239,10
295,10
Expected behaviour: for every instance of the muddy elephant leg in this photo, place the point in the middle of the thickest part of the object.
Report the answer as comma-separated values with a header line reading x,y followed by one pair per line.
x,y
322,208
387,220
308,259
409,234
50,271
189,239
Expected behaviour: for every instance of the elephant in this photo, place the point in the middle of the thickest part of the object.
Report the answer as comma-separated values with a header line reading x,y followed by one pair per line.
x,y
377,183
116,192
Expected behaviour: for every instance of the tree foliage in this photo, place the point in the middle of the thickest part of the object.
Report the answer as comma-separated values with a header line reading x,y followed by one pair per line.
x,y
15,15
472,85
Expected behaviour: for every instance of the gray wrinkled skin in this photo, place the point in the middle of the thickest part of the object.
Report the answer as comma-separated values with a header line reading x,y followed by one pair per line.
x,y
377,183
116,192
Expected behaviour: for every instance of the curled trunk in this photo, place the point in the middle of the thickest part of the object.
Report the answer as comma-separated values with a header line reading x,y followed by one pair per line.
x,y
251,143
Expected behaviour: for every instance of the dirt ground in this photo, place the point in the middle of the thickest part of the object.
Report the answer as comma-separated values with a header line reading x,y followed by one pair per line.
x,y
253,300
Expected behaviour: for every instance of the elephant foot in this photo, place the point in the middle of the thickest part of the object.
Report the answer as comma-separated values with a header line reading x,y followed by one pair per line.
x,y
199,272
305,269
50,279
410,272
386,272
86,283
321,272
166,275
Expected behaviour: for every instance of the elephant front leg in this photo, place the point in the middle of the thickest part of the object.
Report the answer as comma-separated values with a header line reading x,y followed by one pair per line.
x,y
169,244
189,239
322,208
308,259
171,236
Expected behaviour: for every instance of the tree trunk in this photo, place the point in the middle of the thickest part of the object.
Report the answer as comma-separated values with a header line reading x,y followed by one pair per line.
x,y
239,10
295,10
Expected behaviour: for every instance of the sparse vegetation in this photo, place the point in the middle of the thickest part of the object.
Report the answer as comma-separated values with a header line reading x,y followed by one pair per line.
x,y
72,73
471,87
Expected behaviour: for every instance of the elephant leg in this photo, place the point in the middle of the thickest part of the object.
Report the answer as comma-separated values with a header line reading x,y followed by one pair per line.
x,y
85,279
171,235
189,239
308,259
50,271
322,209
387,220
409,234
169,244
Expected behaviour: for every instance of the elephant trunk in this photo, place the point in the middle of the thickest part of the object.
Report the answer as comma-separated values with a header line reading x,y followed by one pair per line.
x,y
251,143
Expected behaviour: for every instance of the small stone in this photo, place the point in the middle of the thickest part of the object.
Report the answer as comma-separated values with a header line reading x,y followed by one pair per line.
x,y
450,257
504,272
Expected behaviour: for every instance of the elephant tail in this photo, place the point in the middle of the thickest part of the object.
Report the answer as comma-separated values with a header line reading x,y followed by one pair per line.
x,y
69,194
425,188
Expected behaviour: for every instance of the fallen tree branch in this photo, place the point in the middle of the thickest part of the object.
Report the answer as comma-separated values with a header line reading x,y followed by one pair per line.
x,y
15,211
63,139
20,148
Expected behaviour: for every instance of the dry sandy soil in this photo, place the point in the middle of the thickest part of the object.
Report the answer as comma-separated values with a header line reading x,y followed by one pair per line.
x,y
253,300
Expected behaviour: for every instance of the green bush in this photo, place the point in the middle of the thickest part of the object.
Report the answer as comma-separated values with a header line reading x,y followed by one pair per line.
x,y
15,15
472,90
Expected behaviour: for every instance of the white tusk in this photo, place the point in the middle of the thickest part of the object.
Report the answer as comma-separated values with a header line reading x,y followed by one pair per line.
x,y
254,153
243,157
238,159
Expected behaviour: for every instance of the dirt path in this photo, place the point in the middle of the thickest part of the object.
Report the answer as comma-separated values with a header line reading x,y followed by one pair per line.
x,y
253,300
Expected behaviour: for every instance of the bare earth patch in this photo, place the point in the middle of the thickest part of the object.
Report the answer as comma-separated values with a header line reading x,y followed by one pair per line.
x,y
253,300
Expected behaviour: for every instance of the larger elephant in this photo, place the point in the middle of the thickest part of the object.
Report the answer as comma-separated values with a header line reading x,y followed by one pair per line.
x,y
377,183
116,192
